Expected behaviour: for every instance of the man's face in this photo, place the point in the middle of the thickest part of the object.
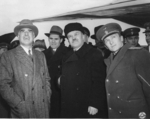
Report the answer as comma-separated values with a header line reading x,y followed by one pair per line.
x,y
113,42
133,40
147,37
26,36
76,39
2,50
54,41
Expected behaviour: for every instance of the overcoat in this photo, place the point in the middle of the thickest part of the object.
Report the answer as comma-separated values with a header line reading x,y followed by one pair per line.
x,y
83,83
25,84
128,83
54,61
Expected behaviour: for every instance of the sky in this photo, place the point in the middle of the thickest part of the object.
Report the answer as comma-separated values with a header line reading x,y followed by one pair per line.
x,y
13,11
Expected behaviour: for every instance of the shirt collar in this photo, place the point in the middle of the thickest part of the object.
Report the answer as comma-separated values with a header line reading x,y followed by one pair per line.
x,y
26,49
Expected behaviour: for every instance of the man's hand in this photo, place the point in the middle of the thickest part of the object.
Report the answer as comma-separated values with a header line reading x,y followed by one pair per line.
x,y
92,110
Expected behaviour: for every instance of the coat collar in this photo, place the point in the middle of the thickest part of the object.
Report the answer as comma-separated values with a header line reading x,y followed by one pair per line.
x,y
73,56
111,64
23,57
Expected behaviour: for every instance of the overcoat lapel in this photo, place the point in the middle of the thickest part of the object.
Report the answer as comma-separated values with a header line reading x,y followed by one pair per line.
x,y
112,64
23,57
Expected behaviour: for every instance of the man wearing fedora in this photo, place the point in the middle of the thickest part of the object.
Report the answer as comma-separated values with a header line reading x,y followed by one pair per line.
x,y
128,75
24,77
54,55
83,78
147,35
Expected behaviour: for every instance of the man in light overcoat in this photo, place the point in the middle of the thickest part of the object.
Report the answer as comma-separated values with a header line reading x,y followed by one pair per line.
x,y
24,77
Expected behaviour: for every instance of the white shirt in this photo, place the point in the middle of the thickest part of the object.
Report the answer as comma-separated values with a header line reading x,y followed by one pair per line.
x,y
26,49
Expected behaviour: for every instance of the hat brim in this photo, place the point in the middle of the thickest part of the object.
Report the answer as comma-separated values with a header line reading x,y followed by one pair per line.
x,y
110,33
93,37
47,34
19,27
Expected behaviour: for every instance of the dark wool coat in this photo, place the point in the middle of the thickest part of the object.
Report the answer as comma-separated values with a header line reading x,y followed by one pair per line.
x,y
54,61
25,84
83,83
128,83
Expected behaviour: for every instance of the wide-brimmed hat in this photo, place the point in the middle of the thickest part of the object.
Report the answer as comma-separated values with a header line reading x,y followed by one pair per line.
x,y
26,24
73,27
107,30
55,30
95,30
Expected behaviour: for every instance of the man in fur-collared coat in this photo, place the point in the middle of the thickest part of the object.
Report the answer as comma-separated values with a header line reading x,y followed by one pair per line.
x,y
24,77
128,76
83,78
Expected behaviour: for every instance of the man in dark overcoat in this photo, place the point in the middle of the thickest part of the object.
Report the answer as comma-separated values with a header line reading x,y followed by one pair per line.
x,y
24,77
128,75
83,78
54,55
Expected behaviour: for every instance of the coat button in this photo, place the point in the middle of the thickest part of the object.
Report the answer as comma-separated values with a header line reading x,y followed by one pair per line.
x,y
43,100
42,87
117,81
58,66
107,80
118,97
77,88
120,112
32,88
26,75
33,102
77,74
110,108
108,94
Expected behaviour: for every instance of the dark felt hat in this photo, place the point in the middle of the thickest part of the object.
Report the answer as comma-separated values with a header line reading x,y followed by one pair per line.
x,y
95,30
73,27
107,30
55,30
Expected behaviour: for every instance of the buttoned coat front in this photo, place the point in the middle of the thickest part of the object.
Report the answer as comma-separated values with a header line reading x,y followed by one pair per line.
x,y
25,84
128,83
83,83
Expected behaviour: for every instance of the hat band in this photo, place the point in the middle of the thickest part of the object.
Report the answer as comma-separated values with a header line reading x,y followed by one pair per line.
x,y
55,32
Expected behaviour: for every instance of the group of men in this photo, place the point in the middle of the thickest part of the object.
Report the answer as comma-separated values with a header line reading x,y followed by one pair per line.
x,y
77,81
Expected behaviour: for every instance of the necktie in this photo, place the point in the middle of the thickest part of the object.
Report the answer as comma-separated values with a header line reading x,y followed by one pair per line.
x,y
30,55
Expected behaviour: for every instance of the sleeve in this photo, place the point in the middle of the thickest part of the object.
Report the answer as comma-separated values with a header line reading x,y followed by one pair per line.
x,y
6,80
47,78
98,91
142,64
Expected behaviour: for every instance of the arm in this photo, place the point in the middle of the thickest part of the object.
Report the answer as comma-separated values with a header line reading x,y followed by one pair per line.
x,y
47,78
6,82
98,93
142,65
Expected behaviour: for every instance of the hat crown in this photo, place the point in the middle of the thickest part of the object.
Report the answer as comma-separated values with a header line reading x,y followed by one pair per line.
x,y
26,22
56,29
72,27
96,28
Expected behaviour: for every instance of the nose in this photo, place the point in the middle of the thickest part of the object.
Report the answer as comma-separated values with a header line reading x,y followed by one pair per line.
x,y
26,33
111,42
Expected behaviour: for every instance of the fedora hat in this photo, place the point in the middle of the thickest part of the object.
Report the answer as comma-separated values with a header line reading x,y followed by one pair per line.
x,y
55,30
26,24
95,30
